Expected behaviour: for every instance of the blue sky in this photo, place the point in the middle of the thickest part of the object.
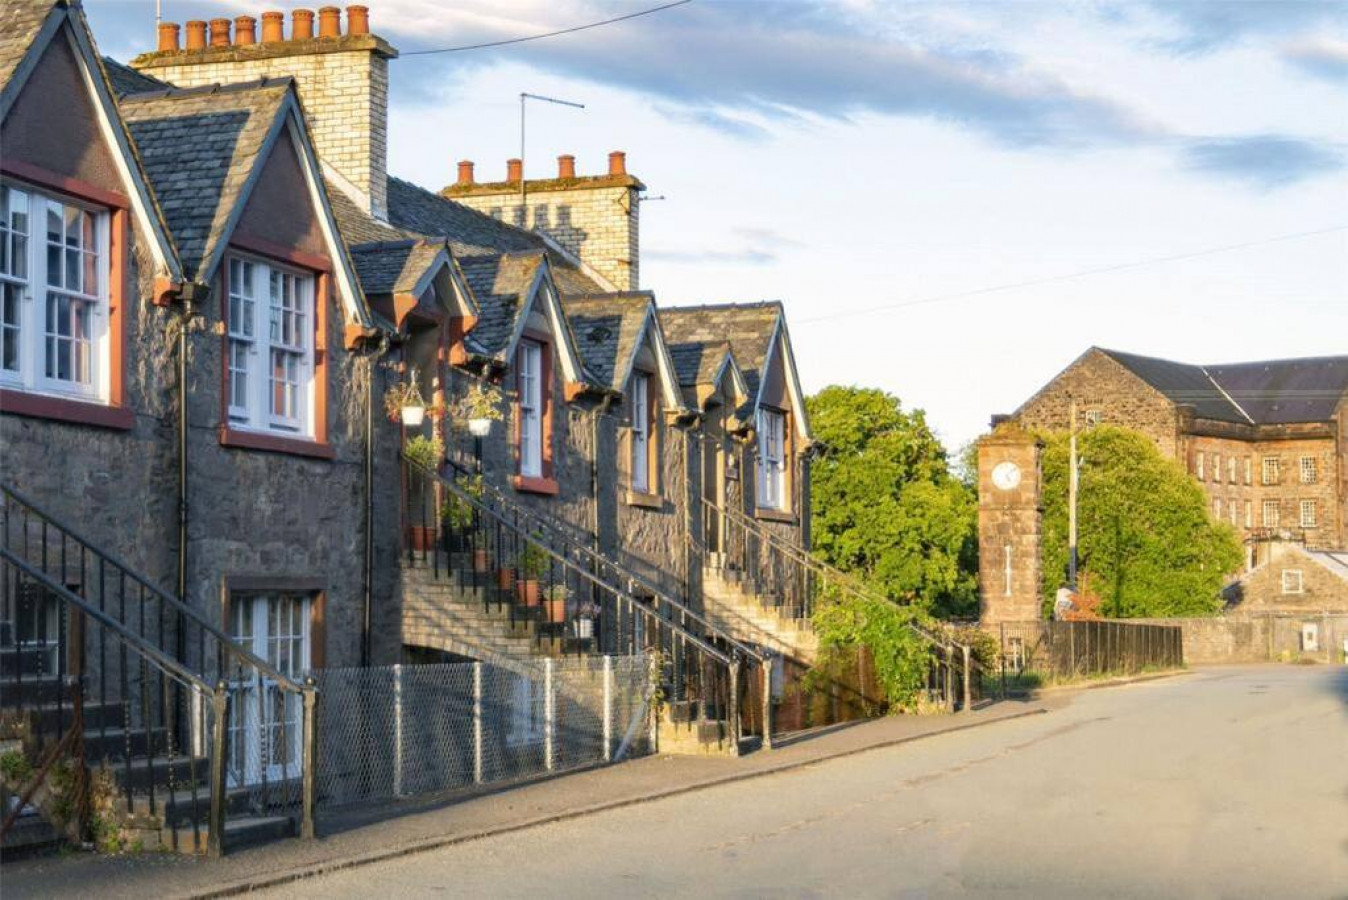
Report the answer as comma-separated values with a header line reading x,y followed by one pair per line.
x,y
852,158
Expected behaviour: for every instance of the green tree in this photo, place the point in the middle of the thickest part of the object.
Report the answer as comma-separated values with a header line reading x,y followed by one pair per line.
x,y
1146,546
885,506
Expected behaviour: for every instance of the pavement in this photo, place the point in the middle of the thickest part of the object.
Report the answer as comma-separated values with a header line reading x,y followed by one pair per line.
x,y
1223,783
371,836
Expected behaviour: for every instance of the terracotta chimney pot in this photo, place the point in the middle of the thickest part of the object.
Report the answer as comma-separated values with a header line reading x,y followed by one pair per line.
x,y
245,30
168,36
357,20
617,163
465,171
220,32
566,166
196,35
302,25
329,22
273,27
514,170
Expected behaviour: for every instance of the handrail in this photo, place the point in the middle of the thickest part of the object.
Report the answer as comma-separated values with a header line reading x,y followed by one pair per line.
x,y
852,584
151,653
172,602
463,496
596,556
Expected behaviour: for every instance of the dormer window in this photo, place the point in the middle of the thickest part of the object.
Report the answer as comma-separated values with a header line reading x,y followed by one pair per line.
x,y
53,295
529,380
772,480
271,348
641,433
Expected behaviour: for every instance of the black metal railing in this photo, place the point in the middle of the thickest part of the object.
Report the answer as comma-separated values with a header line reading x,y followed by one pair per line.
x,y
192,728
572,598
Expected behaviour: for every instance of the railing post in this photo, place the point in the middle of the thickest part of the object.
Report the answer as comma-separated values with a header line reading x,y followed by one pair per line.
x,y
968,696
397,730
766,666
477,723
608,708
215,829
733,705
549,714
310,775
654,689
949,679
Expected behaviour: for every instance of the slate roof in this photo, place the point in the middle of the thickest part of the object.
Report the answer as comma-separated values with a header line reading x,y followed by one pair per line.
x,y
746,327
499,283
198,146
698,362
126,80
608,330
1272,392
1335,561
19,25
393,267
416,210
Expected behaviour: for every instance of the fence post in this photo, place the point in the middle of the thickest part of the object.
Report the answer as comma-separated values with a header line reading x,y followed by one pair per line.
x,y
477,723
1003,658
949,679
608,708
549,714
968,696
215,829
733,704
766,666
310,775
653,688
397,730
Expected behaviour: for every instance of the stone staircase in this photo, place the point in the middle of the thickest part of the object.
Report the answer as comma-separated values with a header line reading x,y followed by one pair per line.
x,y
733,605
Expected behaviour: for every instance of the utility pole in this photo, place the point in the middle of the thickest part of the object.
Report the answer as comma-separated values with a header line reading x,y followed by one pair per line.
x,y
1072,497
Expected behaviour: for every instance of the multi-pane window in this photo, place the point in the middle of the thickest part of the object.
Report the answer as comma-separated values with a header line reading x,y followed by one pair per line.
x,y
1308,514
1094,417
1235,514
53,293
771,459
641,436
1217,508
1309,471
1216,467
1199,468
270,360
1249,514
266,726
1272,470
529,381
1249,470
1271,510
1231,469
1291,581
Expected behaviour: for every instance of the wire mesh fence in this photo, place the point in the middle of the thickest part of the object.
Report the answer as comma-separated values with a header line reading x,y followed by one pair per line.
x,y
404,731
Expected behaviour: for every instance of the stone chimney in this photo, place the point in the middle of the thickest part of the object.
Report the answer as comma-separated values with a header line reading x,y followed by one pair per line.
x,y
342,76
594,217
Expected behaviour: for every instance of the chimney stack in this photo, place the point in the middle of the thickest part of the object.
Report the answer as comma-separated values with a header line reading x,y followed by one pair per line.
x,y
566,166
302,25
357,20
617,163
245,31
514,171
273,27
329,22
220,32
168,36
196,35
465,171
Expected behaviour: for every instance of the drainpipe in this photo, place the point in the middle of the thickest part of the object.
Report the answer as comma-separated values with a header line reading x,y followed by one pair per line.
x,y
184,323
367,610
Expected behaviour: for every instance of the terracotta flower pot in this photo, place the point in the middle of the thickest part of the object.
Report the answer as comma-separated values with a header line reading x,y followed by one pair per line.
x,y
481,562
528,592
505,579
421,537
555,610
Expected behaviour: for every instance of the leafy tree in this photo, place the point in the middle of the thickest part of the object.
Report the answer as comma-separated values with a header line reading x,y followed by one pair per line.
x,y
885,505
1146,545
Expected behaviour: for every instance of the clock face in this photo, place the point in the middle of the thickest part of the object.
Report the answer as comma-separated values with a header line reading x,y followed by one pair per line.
x,y
1006,475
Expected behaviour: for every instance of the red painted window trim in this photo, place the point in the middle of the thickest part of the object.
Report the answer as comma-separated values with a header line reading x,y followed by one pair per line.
x,y
320,268
530,485
114,413
545,484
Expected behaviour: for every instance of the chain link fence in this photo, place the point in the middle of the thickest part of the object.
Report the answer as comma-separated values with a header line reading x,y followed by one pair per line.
x,y
404,731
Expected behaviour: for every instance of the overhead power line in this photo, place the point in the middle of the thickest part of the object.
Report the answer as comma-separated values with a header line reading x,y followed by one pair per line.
x,y
1051,279
550,34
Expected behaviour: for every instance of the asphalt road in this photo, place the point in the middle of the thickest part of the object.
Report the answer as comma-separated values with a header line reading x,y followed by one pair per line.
x,y
1220,783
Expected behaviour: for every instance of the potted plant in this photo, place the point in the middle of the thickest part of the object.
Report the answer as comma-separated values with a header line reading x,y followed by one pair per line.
x,y
532,564
586,613
480,407
424,453
403,403
554,604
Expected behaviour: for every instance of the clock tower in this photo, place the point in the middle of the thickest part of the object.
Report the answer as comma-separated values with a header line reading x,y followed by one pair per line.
x,y
1009,526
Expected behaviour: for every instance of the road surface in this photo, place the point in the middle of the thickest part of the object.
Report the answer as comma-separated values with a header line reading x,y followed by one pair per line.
x,y
1218,783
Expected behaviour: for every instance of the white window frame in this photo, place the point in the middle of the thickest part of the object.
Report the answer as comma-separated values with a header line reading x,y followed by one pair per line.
x,y
258,332
1249,513
1199,468
771,460
1309,514
256,624
1292,582
1231,469
1249,470
1217,508
1216,467
641,434
528,382
1271,471
1275,519
1310,472
27,320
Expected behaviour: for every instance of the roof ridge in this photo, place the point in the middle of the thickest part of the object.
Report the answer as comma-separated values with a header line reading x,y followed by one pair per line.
x,y
203,90
752,304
